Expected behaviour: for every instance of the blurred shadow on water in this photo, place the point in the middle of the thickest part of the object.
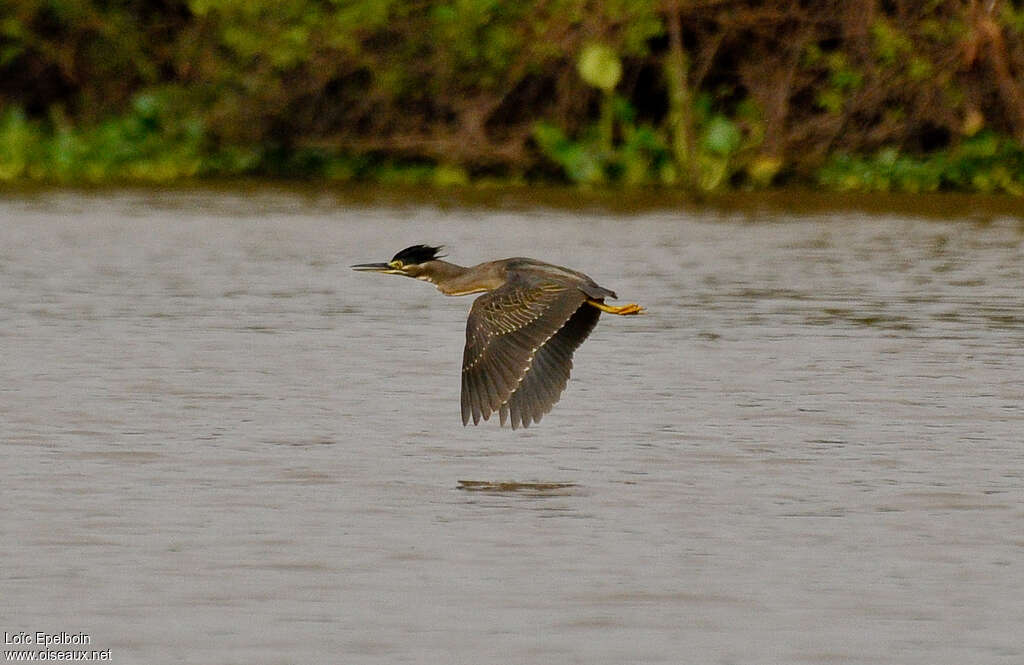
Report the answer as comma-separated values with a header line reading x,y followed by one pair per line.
x,y
516,487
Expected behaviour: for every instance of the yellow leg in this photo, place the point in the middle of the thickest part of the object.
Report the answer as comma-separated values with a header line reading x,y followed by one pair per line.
x,y
631,308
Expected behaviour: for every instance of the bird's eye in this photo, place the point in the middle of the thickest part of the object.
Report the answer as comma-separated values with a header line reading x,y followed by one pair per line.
x,y
396,264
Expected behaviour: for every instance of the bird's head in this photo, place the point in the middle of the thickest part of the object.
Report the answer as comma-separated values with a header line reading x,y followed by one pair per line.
x,y
412,261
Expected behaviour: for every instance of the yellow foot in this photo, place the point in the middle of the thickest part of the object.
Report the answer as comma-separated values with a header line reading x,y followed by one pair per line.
x,y
631,308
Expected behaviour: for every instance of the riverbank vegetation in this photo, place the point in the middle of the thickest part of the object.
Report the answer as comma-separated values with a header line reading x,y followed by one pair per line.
x,y
900,95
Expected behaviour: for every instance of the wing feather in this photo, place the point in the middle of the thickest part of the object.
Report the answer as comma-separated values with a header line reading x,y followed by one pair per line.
x,y
519,344
548,376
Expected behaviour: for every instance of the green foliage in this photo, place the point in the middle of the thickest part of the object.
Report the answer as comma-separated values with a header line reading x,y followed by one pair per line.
x,y
440,92
1012,17
984,162
727,143
721,136
599,66
20,142
155,142
640,157
719,141
447,175
480,45
894,49
890,44
843,78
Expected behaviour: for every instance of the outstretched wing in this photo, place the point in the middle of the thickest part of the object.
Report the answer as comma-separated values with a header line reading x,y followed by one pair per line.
x,y
519,344
549,371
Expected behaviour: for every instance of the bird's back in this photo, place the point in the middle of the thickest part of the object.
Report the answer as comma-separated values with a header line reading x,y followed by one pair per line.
x,y
533,271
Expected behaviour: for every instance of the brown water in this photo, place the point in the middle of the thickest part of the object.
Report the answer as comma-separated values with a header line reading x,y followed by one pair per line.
x,y
221,445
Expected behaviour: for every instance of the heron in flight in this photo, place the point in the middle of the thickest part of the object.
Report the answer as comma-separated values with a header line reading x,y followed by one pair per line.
x,y
521,333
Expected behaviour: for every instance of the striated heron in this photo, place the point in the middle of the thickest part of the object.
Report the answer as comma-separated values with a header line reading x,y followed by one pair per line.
x,y
520,335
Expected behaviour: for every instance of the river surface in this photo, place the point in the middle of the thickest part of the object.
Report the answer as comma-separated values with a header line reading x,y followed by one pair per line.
x,y
221,445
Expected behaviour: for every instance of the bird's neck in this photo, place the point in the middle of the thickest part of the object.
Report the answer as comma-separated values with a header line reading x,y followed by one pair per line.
x,y
455,280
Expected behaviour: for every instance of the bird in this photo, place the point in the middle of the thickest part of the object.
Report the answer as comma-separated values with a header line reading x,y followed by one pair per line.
x,y
520,335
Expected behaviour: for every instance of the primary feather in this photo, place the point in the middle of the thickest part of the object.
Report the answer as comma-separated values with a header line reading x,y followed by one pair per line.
x,y
520,339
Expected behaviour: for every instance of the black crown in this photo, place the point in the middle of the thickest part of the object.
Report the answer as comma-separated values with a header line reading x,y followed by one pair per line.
x,y
417,254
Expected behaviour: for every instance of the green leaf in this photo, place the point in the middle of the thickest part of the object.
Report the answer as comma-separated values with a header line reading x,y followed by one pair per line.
x,y
721,136
599,66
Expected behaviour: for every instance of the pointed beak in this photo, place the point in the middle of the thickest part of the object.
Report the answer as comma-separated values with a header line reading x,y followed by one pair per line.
x,y
373,267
